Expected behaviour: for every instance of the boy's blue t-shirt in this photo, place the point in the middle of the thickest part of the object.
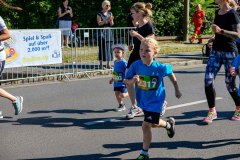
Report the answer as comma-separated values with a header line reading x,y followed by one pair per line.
x,y
150,91
236,64
119,72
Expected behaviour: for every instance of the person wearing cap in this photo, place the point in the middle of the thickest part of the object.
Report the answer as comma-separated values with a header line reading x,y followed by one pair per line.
x,y
119,70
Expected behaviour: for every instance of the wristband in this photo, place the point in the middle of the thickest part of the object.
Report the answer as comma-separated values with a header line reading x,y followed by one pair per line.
x,y
222,31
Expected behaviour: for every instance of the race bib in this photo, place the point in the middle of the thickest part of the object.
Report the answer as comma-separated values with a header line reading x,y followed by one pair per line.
x,y
148,82
117,76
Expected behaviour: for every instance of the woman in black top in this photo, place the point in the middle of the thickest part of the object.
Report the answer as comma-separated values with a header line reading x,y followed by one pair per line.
x,y
105,38
226,27
65,20
141,13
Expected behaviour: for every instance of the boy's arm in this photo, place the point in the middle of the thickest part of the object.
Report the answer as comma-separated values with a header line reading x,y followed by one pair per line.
x,y
173,79
133,80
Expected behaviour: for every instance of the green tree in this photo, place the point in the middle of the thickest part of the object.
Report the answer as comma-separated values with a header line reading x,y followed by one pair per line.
x,y
40,14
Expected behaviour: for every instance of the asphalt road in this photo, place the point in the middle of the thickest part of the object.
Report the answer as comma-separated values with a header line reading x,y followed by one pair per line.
x,y
76,121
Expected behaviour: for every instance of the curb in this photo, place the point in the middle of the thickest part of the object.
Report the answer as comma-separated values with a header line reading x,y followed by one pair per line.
x,y
186,63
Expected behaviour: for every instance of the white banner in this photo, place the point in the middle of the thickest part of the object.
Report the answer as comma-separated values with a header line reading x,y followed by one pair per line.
x,y
33,47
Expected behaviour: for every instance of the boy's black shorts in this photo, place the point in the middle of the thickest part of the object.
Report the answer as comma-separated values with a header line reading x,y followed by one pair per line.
x,y
151,117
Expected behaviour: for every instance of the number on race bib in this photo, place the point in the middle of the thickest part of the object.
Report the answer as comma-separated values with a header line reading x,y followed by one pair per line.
x,y
117,76
148,82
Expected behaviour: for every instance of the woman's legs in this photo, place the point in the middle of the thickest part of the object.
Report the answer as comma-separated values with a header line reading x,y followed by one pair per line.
x,y
213,66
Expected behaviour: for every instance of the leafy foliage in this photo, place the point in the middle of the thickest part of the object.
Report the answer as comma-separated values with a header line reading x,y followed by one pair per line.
x,y
39,14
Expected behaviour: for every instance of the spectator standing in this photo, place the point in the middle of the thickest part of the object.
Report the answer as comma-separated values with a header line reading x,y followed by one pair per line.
x,y
226,26
65,15
141,13
198,19
104,36
17,101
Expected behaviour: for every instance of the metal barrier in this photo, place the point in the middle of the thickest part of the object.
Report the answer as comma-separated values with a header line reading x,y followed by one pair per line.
x,y
82,58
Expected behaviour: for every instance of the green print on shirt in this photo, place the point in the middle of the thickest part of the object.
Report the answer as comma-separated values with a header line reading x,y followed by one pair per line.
x,y
148,82
117,76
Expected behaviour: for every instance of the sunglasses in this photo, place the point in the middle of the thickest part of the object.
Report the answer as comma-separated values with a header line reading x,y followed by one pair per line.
x,y
108,5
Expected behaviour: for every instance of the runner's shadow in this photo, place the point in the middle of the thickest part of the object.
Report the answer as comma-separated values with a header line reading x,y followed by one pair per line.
x,y
78,157
131,147
101,123
71,111
187,117
225,157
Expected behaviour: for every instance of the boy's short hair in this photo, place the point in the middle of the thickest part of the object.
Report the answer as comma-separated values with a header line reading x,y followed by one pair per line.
x,y
120,46
152,42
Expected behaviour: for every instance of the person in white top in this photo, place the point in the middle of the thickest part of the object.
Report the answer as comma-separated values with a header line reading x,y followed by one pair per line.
x,y
17,101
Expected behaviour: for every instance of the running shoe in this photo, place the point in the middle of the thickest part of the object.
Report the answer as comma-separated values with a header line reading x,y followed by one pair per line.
x,y
18,105
210,117
143,157
171,130
121,108
134,112
236,116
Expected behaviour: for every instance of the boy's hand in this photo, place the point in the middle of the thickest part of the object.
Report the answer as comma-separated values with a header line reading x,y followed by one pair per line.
x,y
233,70
136,78
111,80
178,94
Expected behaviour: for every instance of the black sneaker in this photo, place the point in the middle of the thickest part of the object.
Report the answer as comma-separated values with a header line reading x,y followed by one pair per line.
x,y
121,108
171,130
143,157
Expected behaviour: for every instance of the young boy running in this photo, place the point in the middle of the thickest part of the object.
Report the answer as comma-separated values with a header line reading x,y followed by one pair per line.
x,y
148,76
119,70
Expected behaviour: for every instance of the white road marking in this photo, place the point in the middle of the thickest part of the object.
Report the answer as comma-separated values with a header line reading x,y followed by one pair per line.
x,y
189,104
168,108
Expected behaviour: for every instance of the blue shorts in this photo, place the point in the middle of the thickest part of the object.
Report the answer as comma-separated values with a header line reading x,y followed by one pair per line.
x,y
122,89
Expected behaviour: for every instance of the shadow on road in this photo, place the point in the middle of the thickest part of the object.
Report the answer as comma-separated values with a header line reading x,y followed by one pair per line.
x,y
78,157
187,117
193,117
72,111
130,147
